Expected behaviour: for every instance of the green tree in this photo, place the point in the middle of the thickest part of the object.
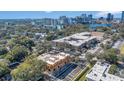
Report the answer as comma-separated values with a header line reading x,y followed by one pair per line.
x,y
21,40
115,37
30,69
109,55
42,47
17,53
4,68
121,58
113,69
121,32
51,36
89,58
26,42
107,45
3,50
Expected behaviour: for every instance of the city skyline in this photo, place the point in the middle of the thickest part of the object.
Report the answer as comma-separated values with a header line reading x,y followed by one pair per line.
x,y
54,14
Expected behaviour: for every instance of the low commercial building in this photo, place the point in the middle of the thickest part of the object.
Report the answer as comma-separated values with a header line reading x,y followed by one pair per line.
x,y
40,35
77,41
55,60
100,73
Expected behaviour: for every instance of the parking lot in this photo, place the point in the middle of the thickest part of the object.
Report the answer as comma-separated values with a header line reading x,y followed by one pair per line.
x,y
74,73
64,71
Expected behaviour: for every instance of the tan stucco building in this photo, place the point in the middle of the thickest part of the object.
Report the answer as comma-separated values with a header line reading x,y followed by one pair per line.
x,y
55,61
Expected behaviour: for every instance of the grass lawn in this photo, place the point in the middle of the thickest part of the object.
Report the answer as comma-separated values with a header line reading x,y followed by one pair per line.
x,y
83,77
122,50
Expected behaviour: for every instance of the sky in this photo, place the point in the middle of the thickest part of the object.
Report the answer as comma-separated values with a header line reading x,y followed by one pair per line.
x,y
53,14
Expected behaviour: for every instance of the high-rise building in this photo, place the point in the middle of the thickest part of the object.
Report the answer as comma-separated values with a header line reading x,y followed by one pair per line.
x,y
72,20
89,18
79,19
109,17
101,18
84,18
63,20
55,22
122,16
83,15
46,21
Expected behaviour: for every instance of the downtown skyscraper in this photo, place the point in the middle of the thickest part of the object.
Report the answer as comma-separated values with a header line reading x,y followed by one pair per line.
x,y
122,16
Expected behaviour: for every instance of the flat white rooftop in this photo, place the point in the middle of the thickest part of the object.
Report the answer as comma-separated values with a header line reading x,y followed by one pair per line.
x,y
100,73
77,39
118,44
52,58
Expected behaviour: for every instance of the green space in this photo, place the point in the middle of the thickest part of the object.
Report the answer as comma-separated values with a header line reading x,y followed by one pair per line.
x,y
82,75
113,69
122,49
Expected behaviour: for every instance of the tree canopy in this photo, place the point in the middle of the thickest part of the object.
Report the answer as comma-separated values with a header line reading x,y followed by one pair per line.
x,y
17,53
23,41
121,32
109,55
4,68
30,69
89,58
3,50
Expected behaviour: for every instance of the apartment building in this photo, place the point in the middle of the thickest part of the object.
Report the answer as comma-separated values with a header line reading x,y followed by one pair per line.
x,y
55,60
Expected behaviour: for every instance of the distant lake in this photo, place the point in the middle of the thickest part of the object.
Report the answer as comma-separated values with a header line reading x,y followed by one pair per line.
x,y
100,25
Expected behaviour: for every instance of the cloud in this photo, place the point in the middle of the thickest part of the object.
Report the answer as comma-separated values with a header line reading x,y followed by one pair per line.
x,y
104,13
